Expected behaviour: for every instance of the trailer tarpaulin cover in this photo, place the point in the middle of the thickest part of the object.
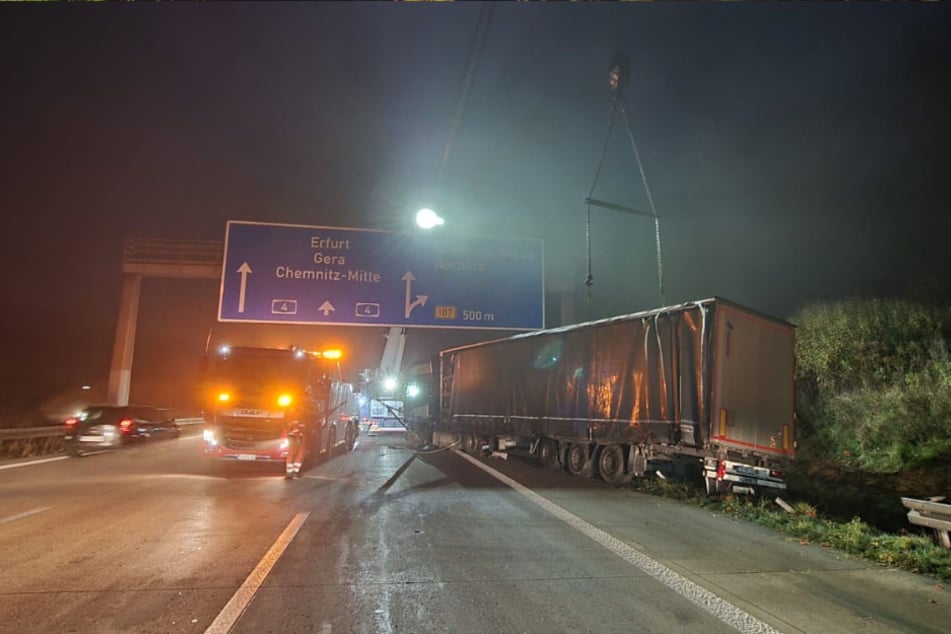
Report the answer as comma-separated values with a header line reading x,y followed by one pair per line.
x,y
625,378
642,377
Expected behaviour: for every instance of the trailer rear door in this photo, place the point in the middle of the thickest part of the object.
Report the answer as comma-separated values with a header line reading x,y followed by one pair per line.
x,y
753,397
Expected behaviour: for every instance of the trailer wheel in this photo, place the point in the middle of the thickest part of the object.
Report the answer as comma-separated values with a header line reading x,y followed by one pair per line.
x,y
548,453
577,460
611,463
470,444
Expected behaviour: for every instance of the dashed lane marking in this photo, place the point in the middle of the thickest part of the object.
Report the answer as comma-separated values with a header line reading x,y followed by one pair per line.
x,y
32,462
242,597
20,516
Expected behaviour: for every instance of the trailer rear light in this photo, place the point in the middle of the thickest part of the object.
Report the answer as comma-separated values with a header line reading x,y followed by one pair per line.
x,y
125,425
723,423
721,469
779,475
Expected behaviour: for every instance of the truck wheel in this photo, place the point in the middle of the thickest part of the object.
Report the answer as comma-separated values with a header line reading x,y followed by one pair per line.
x,y
548,453
611,463
470,444
577,461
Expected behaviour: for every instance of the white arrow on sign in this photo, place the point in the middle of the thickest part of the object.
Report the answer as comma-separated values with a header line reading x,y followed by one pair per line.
x,y
326,308
244,269
420,299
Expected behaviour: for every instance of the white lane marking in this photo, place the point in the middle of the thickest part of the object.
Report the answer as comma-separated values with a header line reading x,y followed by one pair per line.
x,y
27,464
20,516
328,478
696,594
242,597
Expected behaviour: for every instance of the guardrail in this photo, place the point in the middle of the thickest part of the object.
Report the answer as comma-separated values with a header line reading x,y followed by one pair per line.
x,y
28,433
931,514
52,431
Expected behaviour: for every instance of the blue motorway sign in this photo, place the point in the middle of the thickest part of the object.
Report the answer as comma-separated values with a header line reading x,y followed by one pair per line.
x,y
297,274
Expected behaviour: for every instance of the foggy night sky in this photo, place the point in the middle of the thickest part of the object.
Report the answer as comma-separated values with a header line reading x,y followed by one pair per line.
x,y
795,152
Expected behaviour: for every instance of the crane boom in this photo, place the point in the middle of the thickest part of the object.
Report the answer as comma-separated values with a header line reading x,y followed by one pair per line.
x,y
392,357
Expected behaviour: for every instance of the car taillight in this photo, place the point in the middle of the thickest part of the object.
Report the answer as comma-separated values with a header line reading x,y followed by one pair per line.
x,y
71,421
125,425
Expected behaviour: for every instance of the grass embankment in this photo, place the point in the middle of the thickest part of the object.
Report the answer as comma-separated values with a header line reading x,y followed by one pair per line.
x,y
874,385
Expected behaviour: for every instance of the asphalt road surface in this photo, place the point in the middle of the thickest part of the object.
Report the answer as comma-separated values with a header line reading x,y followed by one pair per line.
x,y
151,539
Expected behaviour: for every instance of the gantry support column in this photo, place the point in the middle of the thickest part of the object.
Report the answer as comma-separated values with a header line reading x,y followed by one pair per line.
x,y
120,372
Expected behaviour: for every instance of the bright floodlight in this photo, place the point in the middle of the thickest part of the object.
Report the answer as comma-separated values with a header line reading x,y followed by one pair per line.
x,y
389,384
412,390
427,218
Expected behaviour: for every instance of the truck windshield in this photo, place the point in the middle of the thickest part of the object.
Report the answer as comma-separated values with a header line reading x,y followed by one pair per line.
x,y
254,369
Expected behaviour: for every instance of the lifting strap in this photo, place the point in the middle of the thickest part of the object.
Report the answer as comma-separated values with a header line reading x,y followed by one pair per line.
x,y
618,76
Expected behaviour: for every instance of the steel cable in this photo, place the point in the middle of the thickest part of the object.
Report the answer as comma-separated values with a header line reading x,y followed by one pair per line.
x,y
650,200
589,278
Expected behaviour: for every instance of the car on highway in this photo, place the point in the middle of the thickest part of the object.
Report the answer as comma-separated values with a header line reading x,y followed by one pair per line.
x,y
386,427
109,426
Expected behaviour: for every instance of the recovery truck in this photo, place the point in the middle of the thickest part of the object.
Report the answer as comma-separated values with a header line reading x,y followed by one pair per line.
x,y
708,381
277,405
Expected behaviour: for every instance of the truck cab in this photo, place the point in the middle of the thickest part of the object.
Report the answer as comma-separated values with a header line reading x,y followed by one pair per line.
x,y
259,400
